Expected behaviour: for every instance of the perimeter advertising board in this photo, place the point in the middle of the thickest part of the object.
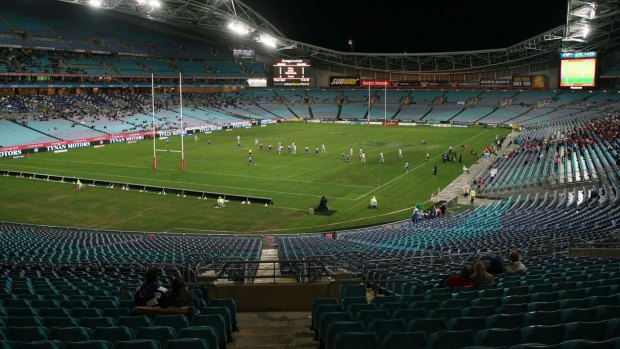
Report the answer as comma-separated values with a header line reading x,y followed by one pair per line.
x,y
344,81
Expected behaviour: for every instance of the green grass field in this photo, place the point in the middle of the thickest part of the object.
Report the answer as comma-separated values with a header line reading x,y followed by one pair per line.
x,y
295,183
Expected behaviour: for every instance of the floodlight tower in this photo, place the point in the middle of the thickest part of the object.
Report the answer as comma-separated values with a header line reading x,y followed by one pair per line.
x,y
580,22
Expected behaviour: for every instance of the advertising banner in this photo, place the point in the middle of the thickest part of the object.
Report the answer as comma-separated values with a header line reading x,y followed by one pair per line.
x,y
529,81
495,82
375,83
344,81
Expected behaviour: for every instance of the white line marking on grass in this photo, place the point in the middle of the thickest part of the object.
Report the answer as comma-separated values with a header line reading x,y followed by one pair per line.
x,y
191,183
216,173
306,227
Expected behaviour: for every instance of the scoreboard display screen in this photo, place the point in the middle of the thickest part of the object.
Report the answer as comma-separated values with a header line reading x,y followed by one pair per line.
x,y
578,70
291,73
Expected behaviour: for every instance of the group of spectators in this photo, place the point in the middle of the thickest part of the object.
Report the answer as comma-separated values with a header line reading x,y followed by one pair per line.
x,y
477,273
153,294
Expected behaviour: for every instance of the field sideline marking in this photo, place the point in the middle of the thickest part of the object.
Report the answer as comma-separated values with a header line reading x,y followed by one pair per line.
x,y
199,184
307,227
214,173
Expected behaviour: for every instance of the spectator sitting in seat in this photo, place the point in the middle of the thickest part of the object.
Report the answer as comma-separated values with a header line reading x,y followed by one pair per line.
x,y
516,266
461,279
495,266
151,293
180,296
480,276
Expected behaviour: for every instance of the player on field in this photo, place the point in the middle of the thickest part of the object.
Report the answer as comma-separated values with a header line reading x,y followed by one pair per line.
x,y
381,159
294,149
406,167
307,150
323,150
255,141
400,153
167,144
195,137
279,149
238,141
363,157
316,151
347,159
250,160
351,152
428,156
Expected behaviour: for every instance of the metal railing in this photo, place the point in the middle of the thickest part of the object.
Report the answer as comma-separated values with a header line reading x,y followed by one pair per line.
x,y
244,271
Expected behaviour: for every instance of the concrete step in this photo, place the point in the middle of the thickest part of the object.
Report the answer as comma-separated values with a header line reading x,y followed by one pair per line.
x,y
273,330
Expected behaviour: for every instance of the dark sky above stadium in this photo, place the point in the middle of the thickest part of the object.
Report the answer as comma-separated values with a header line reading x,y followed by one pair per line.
x,y
410,25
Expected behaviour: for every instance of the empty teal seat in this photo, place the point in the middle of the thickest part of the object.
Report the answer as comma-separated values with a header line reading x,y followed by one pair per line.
x,y
93,322
405,340
206,333
42,344
161,334
596,330
113,334
498,337
187,343
338,327
450,339
427,325
357,340
92,344
542,334
74,334
463,323
215,321
138,344
27,334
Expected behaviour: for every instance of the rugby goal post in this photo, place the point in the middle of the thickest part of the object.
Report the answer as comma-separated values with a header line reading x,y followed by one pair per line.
x,y
182,128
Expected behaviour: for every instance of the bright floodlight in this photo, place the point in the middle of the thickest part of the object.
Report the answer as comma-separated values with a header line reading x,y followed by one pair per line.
x,y
155,3
267,40
140,2
94,3
238,28
586,31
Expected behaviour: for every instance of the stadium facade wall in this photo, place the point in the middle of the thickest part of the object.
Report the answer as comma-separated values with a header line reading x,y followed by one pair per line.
x,y
323,71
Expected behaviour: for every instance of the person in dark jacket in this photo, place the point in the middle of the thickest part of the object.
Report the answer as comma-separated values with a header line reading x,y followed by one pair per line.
x,y
180,296
151,293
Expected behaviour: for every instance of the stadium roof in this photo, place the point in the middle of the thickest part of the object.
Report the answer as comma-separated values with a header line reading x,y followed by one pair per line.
x,y
585,31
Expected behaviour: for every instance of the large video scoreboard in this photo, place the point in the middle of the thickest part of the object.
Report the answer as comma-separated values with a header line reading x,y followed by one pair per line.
x,y
291,73
578,69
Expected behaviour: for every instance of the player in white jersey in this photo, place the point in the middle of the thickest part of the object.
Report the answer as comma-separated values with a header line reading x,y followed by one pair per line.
x,y
363,157
381,159
400,153
323,151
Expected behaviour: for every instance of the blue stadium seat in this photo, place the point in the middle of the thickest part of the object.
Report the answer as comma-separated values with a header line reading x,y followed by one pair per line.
x,y
543,334
357,340
450,339
498,337
405,340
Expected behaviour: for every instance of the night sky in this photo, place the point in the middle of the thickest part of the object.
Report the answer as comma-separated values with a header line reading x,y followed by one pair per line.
x,y
397,26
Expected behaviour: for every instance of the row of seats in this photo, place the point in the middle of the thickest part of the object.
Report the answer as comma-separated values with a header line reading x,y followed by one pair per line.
x,y
180,343
352,338
492,332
